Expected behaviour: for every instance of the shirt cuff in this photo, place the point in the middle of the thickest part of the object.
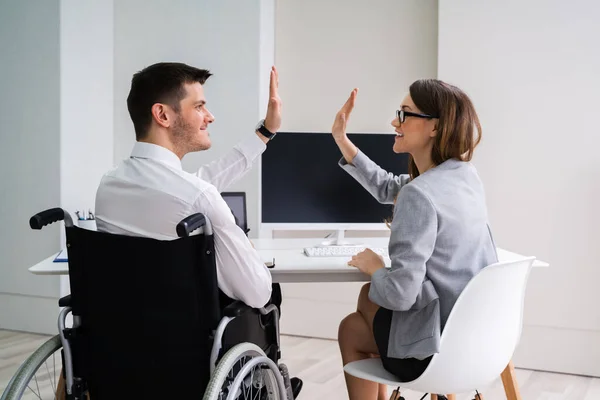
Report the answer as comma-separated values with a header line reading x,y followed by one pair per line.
x,y
251,147
387,262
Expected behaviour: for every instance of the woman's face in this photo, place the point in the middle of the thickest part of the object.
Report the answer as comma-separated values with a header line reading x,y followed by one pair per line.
x,y
415,135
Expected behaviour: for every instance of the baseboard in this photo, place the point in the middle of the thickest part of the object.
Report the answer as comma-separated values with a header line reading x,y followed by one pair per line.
x,y
563,350
29,313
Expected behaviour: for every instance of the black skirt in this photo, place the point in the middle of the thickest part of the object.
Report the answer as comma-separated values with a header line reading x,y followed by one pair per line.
x,y
405,369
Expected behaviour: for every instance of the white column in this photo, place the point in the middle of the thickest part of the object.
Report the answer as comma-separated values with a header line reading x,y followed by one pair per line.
x,y
86,102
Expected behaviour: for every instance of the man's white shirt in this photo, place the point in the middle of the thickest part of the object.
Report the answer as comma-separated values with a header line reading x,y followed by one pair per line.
x,y
149,194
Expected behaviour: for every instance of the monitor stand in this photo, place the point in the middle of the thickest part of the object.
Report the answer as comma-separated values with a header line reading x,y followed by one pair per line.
x,y
337,239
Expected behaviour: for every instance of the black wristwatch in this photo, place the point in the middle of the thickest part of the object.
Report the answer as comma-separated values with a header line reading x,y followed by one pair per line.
x,y
264,131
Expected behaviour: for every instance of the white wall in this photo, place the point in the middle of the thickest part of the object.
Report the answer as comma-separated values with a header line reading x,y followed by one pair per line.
x,y
29,158
532,71
323,49
232,42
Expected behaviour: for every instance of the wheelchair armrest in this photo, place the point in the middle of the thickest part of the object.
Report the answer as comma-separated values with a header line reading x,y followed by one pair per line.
x,y
65,301
236,309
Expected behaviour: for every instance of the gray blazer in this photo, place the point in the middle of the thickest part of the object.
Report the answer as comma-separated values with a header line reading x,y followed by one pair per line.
x,y
440,238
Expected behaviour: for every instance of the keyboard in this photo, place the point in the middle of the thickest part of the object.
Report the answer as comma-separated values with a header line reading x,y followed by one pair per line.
x,y
341,251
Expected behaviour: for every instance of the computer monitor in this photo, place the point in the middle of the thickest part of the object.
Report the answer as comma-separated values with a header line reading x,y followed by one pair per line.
x,y
237,203
303,187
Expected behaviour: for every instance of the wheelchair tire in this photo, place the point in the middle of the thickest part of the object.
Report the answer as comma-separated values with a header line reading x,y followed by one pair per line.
x,y
20,381
225,374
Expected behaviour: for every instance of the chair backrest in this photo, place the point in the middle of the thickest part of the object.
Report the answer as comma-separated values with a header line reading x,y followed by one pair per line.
x,y
148,308
482,331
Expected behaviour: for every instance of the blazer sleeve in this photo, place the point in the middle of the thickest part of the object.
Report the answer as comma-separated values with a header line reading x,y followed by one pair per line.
x,y
412,241
383,185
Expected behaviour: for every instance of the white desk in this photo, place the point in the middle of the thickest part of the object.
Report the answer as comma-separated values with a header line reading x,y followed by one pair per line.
x,y
291,265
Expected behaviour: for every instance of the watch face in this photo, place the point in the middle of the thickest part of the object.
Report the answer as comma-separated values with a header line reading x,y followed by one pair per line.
x,y
260,124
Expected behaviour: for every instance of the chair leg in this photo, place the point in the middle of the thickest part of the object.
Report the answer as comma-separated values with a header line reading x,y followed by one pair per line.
x,y
509,380
451,396
61,390
61,393
395,395
434,397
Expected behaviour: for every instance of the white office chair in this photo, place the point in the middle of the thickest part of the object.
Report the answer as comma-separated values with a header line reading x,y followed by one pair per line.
x,y
478,341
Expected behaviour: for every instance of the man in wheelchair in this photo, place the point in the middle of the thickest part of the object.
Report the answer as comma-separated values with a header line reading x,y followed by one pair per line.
x,y
170,117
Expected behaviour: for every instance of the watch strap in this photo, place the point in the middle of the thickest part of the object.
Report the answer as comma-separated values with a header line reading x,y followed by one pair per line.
x,y
264,131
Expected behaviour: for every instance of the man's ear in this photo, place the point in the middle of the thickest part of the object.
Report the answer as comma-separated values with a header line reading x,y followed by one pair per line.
x,y
160,114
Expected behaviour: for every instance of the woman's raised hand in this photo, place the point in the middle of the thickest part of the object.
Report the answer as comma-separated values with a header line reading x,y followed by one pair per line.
x,y
339,125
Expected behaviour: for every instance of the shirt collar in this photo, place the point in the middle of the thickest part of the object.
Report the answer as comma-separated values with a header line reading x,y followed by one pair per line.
x,y
155,152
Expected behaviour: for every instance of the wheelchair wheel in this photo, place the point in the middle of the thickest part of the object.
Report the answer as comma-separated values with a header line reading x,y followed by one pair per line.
x,y
245,373
38,377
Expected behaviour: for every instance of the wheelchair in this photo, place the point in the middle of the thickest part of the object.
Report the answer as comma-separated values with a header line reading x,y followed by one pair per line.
x,y
149,322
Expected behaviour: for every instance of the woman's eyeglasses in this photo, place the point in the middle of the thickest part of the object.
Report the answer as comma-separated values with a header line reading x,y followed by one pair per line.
x,y
401,115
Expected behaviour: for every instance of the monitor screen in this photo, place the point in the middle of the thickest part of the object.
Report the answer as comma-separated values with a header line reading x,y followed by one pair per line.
x,y
303,183
237,203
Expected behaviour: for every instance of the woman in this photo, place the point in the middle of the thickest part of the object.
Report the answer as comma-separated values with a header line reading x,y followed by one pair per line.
x,y
439,233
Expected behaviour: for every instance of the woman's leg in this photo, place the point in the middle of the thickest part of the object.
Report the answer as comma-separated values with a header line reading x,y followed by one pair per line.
x,y
356,341
368,309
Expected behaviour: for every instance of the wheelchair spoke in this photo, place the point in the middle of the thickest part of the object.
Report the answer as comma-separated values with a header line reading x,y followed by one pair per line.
x,y
49,378
32,391
54,375
252,383
246,390
38,387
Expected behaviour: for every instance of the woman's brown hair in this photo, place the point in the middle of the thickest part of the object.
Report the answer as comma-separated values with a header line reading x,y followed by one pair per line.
x,y
458,128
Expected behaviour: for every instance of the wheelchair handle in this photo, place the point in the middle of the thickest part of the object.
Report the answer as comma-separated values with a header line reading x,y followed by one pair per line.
x,y
49,216
193,222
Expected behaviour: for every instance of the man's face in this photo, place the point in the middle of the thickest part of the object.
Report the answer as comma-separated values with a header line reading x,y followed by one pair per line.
x,y
190,129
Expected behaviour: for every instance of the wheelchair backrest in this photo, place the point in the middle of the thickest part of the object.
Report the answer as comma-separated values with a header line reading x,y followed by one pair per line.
x,y
148,309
